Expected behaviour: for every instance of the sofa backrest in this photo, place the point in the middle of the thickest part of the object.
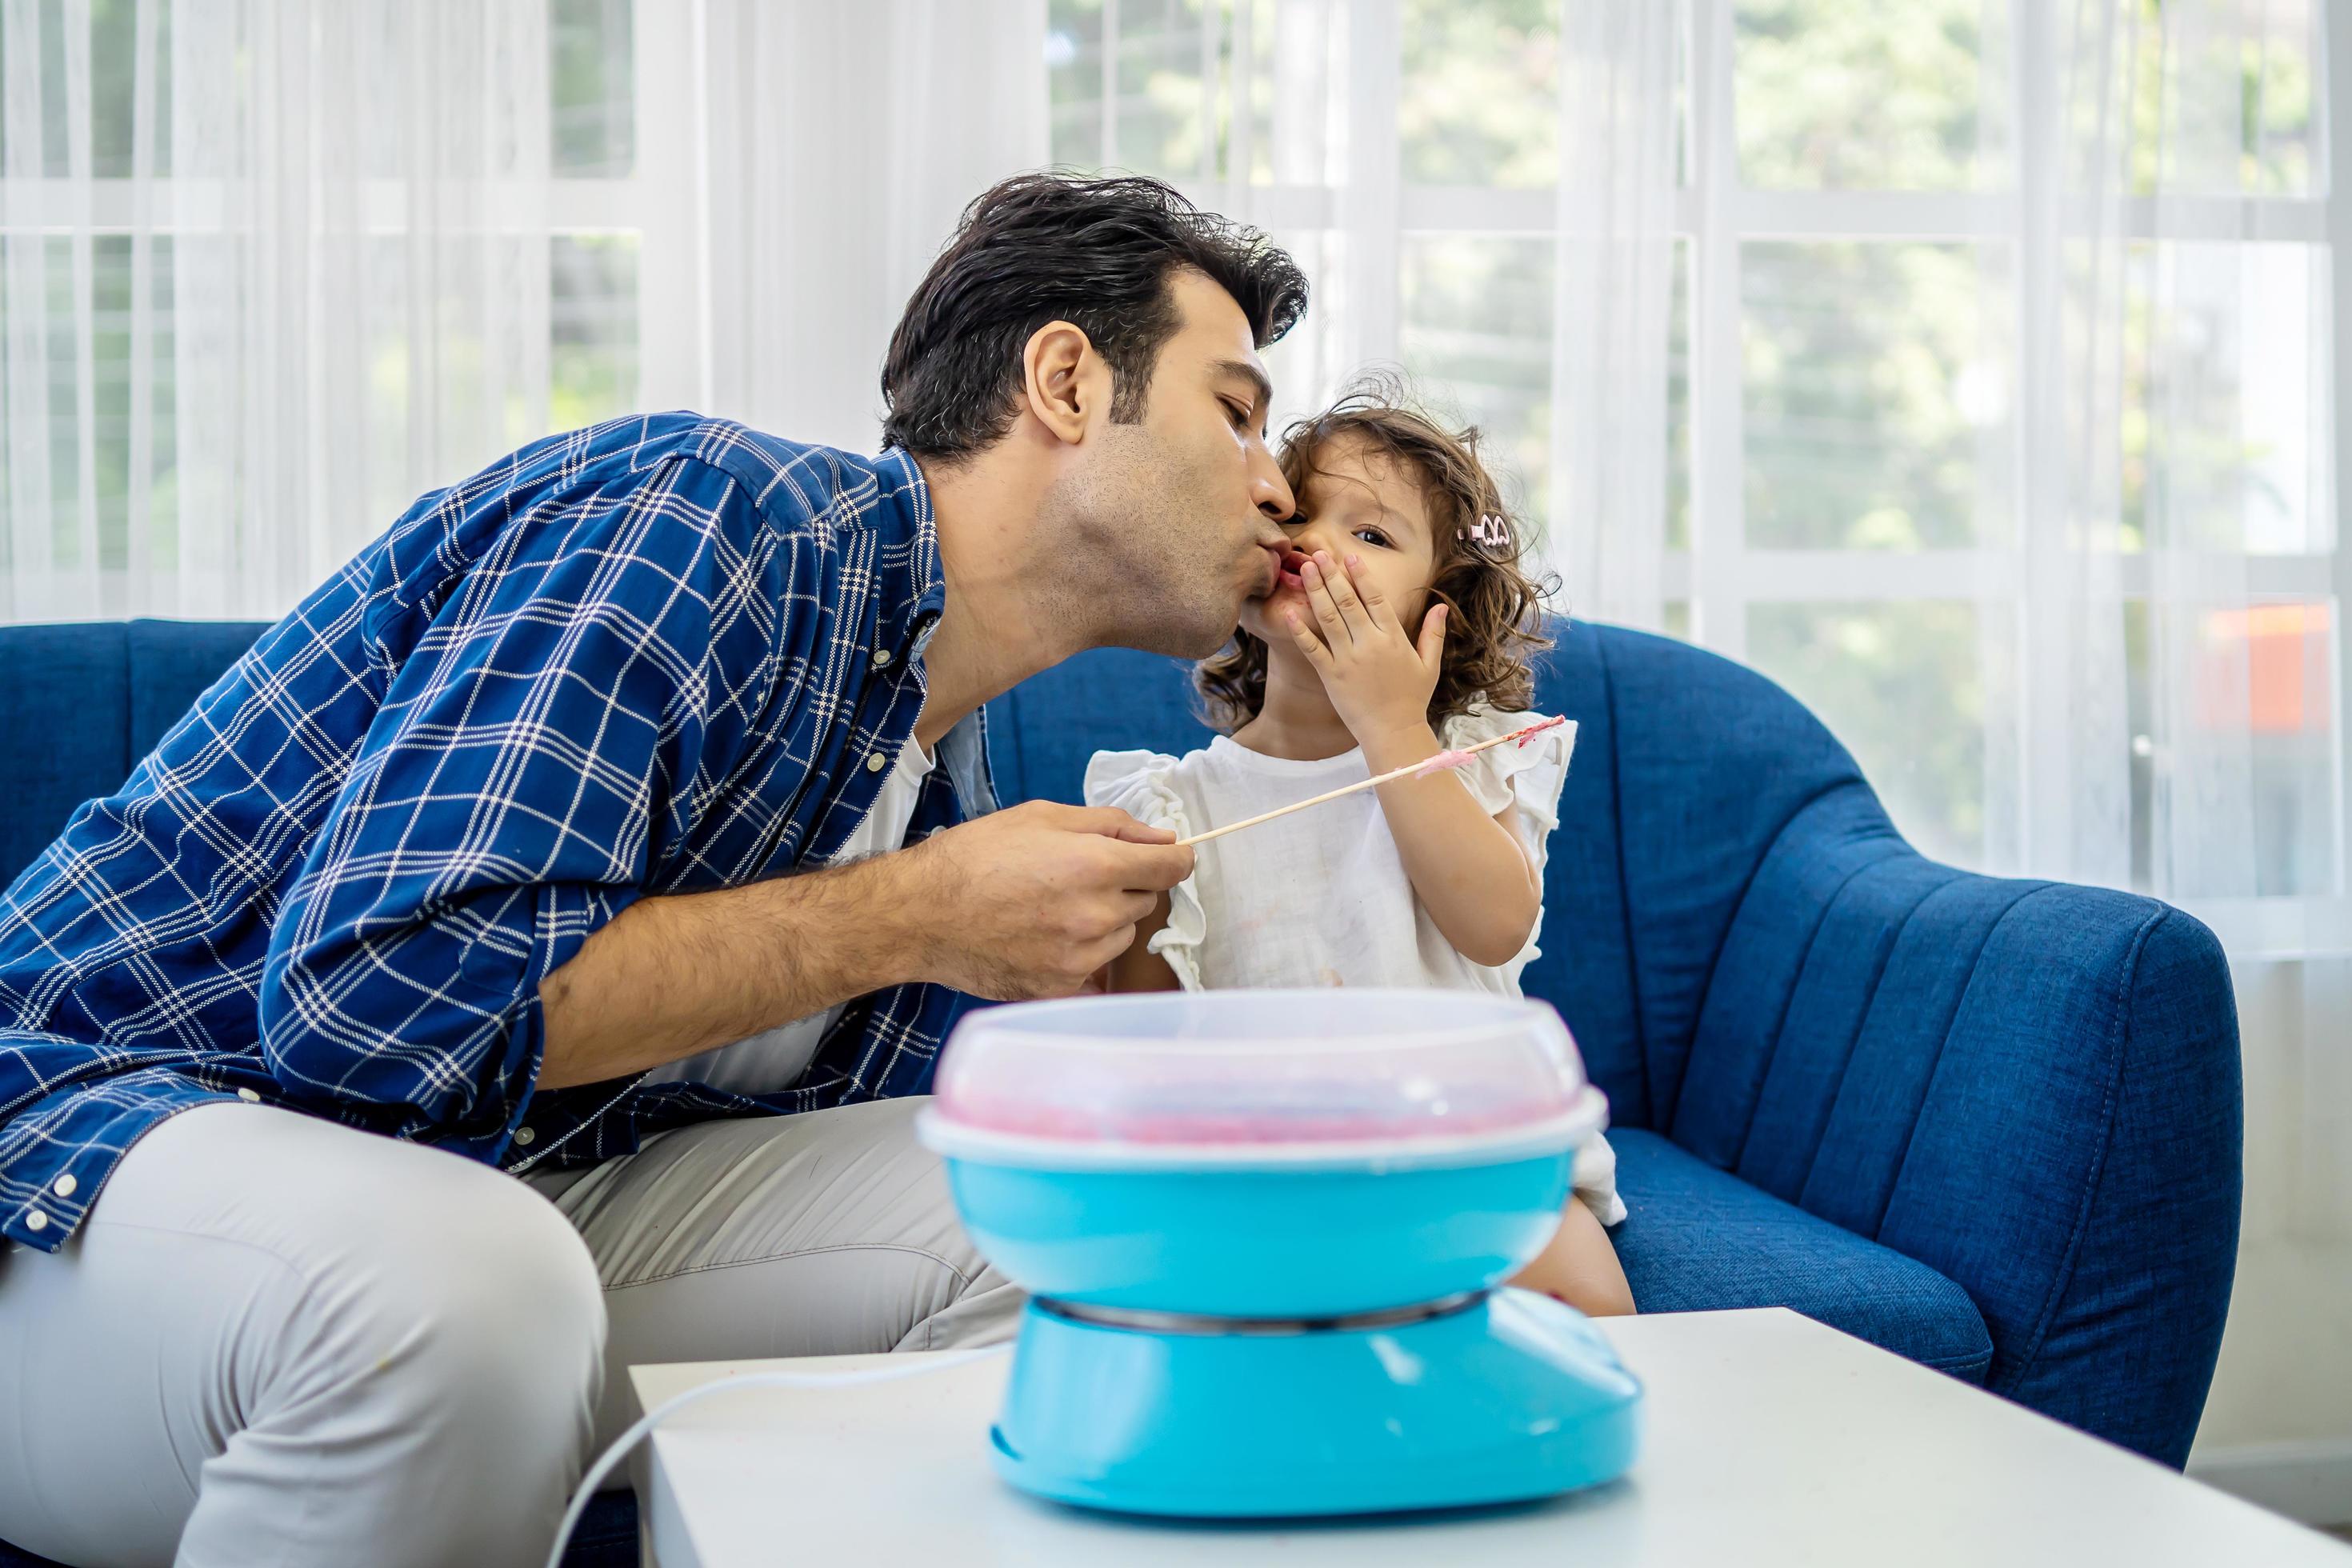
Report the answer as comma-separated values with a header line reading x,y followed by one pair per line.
x,y
1687,769
81,703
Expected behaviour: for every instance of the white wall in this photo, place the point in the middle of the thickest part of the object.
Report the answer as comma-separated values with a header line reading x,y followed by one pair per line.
x,y
2278,1427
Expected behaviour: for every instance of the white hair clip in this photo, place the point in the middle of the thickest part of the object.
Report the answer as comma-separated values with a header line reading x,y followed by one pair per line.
x,y
1491,531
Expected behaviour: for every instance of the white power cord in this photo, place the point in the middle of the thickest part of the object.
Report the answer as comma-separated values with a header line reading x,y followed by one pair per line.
x,y
668,1407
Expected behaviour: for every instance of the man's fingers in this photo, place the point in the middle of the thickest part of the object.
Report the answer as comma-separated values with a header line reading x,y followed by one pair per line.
x,y
1139,843
1100,955
1152,869
1108,821
1113,907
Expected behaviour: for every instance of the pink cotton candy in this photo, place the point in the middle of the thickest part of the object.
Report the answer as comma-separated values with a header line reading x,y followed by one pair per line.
x,y
1445,760
1532,730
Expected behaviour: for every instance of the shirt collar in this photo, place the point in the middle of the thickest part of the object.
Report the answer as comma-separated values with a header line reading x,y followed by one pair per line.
x,y
915,587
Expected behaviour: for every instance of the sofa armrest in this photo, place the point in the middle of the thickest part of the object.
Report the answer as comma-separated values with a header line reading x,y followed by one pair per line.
x,y
2095,1056
2030,1087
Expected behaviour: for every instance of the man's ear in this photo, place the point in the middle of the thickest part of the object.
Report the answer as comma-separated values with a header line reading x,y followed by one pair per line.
x,y
1062,378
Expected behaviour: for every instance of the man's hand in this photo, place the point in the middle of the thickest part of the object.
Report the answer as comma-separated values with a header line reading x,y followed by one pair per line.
x,y
1032,901
1028,902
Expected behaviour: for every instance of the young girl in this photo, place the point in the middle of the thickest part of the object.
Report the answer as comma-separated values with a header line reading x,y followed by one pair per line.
x,y
1435,881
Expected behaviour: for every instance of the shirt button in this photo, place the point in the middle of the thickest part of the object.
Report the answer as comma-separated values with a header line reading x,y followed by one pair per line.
x,y
37,1220
248,1096
875,761
523,1137
881,657
64,1186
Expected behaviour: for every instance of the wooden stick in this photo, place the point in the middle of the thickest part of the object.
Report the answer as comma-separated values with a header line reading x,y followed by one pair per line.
x,y
1436,765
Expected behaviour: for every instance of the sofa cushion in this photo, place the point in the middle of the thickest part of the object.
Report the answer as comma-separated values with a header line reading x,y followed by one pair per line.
x,y
1041,732
65,706
1699,1238
97,697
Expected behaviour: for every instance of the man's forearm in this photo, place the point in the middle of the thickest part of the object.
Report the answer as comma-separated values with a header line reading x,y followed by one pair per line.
x,y
672,976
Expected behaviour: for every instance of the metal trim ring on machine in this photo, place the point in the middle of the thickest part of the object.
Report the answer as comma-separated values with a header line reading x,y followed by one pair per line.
x,y
1144,1322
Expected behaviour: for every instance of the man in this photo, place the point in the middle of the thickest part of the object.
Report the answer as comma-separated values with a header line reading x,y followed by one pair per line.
x,y
559,838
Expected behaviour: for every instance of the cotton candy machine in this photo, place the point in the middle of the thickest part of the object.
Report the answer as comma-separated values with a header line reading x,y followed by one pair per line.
x,y
1265,1235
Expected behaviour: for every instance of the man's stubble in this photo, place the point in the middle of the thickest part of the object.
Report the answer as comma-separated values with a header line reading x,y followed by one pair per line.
x,y
1159,574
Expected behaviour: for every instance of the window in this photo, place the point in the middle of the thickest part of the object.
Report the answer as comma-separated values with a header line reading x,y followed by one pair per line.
x,y
1854,323
152,197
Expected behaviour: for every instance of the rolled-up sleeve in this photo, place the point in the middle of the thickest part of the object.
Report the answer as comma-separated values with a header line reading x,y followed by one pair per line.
x,y
562,720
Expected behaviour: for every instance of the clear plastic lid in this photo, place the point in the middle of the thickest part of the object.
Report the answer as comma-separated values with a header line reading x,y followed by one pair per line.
x,y
1260,1076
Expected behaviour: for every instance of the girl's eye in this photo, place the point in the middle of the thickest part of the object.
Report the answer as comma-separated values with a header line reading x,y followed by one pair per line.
x,y
1373,536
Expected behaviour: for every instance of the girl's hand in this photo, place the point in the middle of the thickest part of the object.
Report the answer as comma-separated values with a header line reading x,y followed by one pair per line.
x,y
1379,679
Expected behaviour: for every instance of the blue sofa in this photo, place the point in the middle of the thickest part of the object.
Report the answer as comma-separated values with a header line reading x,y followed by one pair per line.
x,y
1947,1114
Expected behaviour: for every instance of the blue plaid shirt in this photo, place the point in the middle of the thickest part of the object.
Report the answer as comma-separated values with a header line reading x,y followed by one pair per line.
x,y
659,655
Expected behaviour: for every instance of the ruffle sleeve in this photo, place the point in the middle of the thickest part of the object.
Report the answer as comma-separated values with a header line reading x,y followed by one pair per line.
x,y
1137,784
1596,1181
1529,774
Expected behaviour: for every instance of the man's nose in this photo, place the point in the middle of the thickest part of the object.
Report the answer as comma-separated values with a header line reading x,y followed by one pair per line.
x,y
1271,491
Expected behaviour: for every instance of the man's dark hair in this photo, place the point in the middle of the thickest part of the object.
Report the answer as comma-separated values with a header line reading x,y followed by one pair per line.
x,y
1055,246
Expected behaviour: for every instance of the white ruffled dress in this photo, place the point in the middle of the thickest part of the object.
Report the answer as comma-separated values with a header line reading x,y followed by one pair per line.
x,y
1322,898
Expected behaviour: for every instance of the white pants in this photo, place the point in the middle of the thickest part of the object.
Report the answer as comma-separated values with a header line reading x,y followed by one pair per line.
x,y
277,1340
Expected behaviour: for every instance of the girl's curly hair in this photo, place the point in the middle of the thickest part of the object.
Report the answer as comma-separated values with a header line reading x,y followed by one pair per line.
x,y
1495,624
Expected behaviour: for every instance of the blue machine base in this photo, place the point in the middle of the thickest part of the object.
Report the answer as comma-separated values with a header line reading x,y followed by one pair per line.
x,y
1513,1398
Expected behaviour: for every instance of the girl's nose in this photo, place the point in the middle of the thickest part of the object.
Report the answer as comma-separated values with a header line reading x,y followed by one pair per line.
x,y
1310,536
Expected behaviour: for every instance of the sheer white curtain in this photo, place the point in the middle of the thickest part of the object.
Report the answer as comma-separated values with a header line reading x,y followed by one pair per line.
x,y
1610,330
840,144
2153,287
273,269
309,281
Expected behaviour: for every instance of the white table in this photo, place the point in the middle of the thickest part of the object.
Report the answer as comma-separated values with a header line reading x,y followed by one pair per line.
x,y
1770,1440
